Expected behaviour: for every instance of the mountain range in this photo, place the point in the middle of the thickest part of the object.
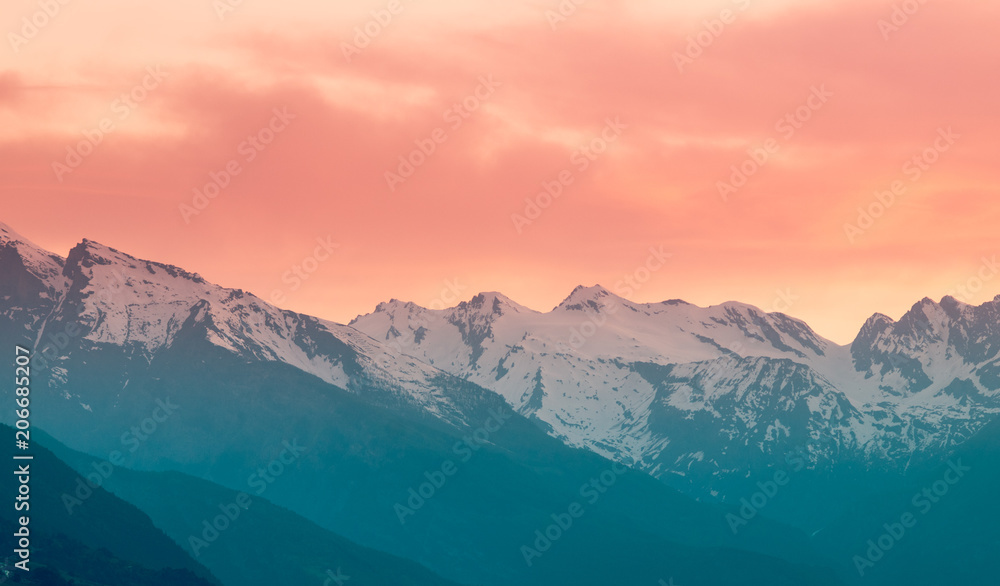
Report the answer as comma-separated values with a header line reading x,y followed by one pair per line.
x,y
457,438
684,391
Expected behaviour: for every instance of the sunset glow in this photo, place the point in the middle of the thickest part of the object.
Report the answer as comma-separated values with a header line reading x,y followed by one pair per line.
x,y
825,159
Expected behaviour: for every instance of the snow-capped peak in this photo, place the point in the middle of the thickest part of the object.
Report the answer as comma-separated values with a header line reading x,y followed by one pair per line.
x,y
492,302
140,308
594,298
45,266
873,325
394,305
89,253
926,315
102,254
9,237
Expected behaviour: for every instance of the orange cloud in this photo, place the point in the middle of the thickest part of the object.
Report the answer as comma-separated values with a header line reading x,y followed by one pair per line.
x,y
656,184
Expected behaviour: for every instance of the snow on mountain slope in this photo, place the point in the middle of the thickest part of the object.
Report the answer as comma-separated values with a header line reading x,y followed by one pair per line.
x,y
142,307
591,323
932,374
672,385
676,388
571,368
44,266
31,281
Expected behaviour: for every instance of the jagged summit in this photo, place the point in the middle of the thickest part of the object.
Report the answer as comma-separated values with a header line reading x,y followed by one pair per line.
x,y
951,301
593,298
878,319
89,253
392,304
493,302
100,254
43,265
489,302
925,310
872,328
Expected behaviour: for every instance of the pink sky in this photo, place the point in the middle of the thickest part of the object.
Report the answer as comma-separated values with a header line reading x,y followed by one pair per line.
x,y
865,97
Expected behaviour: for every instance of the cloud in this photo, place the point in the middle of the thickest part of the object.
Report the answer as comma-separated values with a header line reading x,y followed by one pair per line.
x,y
656,184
